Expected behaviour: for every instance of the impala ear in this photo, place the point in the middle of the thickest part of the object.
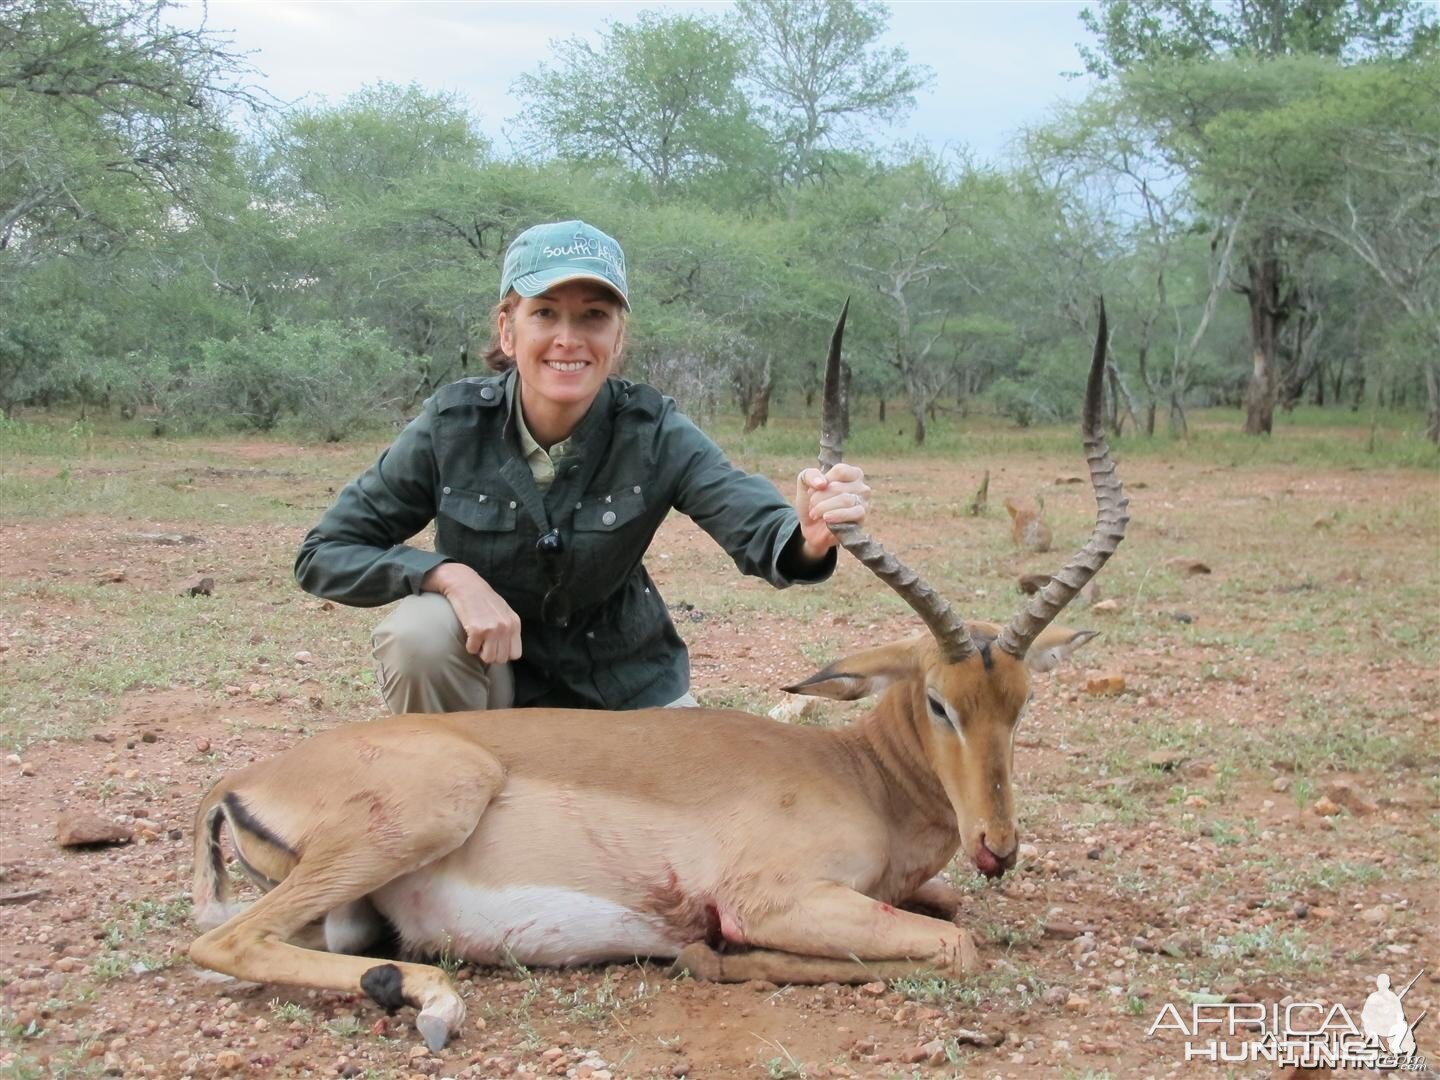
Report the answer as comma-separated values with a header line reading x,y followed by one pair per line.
x,y
863,674
1055,645
840,685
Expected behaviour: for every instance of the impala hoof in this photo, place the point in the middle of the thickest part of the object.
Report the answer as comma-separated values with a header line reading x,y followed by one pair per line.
x,y
433,1029
699,961
440,1019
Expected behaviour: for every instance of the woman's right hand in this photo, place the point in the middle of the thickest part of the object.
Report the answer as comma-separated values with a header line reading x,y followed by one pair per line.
x,y
492,629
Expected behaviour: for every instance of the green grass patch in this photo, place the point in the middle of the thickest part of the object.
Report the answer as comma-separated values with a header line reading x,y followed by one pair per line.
x,y
1317,437
1022,984
1275,951
67,673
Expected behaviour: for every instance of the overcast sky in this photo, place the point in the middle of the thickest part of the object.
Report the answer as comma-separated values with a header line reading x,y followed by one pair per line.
x,y
997,65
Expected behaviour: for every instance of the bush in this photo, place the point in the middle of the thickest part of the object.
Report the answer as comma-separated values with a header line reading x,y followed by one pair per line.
x,y
36,335
331,378
1046,387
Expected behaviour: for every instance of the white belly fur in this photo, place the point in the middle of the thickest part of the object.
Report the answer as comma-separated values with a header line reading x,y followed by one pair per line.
x,y
527,924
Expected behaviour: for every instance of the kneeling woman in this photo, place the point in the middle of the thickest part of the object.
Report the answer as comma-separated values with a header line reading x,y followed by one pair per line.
x,y
547,483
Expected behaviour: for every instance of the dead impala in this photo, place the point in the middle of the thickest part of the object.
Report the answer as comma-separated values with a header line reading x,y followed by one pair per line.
x,y
743,847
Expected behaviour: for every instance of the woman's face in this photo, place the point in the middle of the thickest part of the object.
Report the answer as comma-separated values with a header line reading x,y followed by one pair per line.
x,y
564,343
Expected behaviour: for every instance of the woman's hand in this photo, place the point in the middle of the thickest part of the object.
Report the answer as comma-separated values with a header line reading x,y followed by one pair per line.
x,y
492,629
823,499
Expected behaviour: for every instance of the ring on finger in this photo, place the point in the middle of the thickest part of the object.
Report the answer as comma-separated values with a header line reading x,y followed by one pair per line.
x,y
855,499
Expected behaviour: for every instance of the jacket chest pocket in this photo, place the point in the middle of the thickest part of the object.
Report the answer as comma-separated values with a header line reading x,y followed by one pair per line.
x,y
477,527
611,532
610,513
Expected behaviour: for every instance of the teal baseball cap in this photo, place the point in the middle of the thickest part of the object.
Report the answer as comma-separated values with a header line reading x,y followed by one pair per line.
x,y
547,255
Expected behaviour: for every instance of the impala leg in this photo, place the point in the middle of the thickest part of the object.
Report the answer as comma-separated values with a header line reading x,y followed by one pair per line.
x,y
405,824
255,946
936,897
837,935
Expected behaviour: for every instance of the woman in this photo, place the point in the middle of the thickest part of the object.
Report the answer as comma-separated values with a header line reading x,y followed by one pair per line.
x,y
547,483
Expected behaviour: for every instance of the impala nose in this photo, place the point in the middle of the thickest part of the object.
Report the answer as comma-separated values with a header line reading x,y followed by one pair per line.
x,y
991,863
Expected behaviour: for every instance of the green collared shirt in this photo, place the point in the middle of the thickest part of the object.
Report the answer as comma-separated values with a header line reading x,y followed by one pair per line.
x,y
540,460
633,457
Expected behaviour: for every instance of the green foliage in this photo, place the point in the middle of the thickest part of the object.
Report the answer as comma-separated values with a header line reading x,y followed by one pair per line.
x,y
379,139
33,344
111,116
1202,86
336,264
1049,388
1133,32
820,74
659,95
331,378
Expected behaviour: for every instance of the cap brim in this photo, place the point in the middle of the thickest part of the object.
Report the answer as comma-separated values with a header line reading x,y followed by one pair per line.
x,y
536,283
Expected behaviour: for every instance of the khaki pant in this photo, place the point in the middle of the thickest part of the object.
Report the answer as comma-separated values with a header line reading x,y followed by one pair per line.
x,y
420,658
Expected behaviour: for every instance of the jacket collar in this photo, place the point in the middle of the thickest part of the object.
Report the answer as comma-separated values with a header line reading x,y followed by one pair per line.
x,y
593,431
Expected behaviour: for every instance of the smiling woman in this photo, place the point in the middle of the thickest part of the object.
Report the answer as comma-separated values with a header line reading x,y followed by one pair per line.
x,y
547,481
563,343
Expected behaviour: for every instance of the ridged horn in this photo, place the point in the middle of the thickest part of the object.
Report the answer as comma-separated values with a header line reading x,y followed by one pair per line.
x,y
1110,520
944,624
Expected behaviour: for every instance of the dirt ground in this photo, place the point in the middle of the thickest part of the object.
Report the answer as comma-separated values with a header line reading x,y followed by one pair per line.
x,y
1252,818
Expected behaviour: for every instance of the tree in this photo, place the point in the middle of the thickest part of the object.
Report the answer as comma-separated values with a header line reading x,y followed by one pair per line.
x,y
660,96
725,307
378,138
1133,32
911,232
821,75
113,122
111,119
1101,160
1371,171
1167,51
389,215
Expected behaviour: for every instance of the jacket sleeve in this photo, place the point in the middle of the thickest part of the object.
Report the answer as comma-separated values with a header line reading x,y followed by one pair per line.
x,y
356,554
744,513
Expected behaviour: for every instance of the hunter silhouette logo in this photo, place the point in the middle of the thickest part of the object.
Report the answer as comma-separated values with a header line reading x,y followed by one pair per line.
x,y
1301,1034
1383,1017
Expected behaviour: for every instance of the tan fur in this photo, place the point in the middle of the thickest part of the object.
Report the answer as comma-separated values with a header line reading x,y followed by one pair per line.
x,y
1028,527
802,842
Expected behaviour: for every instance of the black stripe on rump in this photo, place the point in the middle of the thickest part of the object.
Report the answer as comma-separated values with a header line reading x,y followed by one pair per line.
x,y
241,817
217,857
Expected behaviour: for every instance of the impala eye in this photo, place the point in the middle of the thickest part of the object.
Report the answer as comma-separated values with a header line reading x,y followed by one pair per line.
x,y
942,714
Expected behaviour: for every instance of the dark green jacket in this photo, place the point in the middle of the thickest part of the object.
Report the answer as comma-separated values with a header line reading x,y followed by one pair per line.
x,y
633,458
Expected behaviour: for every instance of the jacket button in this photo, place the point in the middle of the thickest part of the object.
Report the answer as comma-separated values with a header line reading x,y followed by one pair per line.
x,y
608,518
512,504
488,393
578,505
636,489
445,490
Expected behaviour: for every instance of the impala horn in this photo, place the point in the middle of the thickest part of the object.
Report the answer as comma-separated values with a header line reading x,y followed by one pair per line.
x,y
1110,520
949,630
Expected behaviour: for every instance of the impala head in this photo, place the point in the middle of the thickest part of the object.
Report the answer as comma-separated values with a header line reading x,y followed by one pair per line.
x,y
963,715
964,687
